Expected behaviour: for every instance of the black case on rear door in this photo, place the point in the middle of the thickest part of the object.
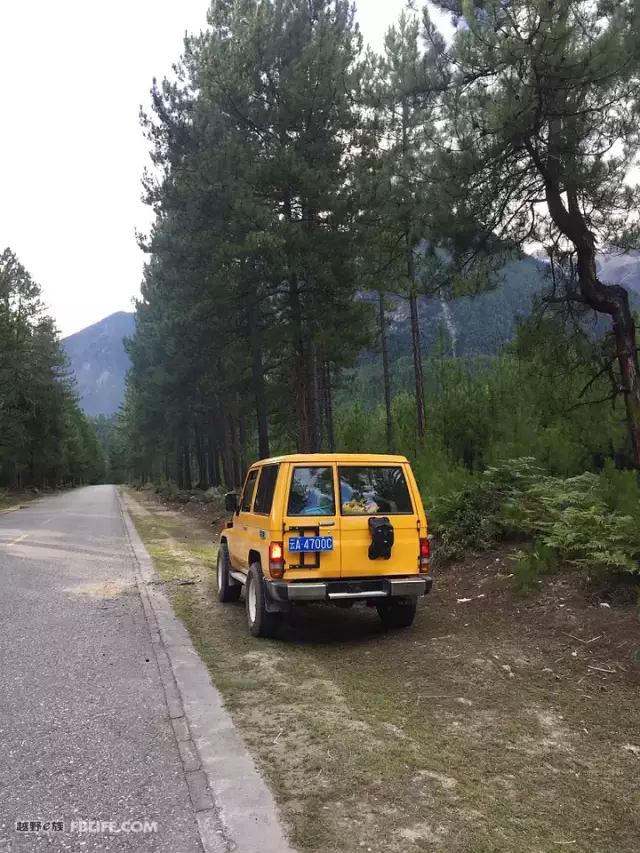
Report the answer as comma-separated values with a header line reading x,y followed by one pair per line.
x,y
381,531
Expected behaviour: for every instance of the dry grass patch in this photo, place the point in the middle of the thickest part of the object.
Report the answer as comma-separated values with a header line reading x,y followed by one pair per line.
x,y
108,589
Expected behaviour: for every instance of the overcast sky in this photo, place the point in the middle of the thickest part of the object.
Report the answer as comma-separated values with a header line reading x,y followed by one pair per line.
x,y
74,74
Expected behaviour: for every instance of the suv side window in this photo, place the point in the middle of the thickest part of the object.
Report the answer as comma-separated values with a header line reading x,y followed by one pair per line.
x,y
312,492
249,488
266,489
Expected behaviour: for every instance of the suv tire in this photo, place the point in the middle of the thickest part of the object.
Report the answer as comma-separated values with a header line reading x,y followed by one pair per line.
x,y
397,614
227,589
261,622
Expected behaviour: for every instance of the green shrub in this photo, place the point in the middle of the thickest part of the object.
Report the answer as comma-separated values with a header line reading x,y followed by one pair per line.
x,y
535,560
620,490
168,491
437,474
568,520
533,511
596,539
473,518
214,497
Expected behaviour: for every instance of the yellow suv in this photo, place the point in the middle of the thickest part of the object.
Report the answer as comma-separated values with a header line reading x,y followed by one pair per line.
x,y
338,528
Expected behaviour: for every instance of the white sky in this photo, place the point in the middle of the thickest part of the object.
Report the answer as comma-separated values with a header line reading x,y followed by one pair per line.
x,y
74,74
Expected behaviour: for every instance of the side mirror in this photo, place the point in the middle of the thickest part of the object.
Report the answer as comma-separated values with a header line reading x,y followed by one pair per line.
x,y
231,502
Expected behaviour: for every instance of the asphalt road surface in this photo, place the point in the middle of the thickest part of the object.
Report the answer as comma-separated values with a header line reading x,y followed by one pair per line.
x,y
84,730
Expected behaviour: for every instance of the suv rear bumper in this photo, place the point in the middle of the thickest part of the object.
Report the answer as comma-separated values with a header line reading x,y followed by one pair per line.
x,y
349,589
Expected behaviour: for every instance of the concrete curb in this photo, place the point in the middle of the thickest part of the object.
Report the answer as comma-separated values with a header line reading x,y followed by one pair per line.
x,y
235,810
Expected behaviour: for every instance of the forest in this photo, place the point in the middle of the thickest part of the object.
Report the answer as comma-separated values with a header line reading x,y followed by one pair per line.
x,y
45,440
320,210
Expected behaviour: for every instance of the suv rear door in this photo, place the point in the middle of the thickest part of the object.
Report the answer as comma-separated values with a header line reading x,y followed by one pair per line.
x,y
370,489
311,510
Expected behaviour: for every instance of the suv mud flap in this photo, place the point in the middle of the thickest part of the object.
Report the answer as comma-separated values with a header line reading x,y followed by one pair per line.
x,y
274,602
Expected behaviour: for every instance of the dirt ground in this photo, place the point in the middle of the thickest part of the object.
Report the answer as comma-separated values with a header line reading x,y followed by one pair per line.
x,y
497,724
13,500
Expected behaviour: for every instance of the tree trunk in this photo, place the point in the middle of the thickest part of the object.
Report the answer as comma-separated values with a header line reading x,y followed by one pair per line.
x,y
179,465
213,459
417,364
299,349
235,452
320,401
609,299
413,300
314,418
312,400
626,346
382,320
242,440
299,358
217,472
225,452
260,392
328,408
259,385
188,485
200,457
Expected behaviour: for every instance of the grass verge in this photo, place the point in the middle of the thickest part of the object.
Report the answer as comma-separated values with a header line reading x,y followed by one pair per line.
x,y
495,724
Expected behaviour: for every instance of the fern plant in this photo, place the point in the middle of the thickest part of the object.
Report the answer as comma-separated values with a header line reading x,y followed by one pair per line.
x,y
568,520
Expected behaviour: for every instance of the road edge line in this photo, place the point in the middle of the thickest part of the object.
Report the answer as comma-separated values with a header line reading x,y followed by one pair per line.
x,y
234,807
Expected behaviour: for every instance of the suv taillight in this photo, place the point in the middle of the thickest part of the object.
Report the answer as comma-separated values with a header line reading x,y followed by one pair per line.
x,y
425,553
276,559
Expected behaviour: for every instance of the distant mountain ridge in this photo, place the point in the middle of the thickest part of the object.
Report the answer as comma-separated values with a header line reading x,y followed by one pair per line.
x,y
472,325
481,325
99,362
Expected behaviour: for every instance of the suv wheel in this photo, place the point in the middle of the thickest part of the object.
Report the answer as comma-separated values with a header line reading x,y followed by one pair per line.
x,y
227,589
397,614
261,622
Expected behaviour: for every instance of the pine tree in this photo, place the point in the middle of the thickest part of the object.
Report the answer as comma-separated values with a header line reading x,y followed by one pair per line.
x,y
45,440
540,99
296,105
248,294
397,213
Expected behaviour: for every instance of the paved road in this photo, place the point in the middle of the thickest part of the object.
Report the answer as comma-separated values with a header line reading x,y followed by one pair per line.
x,y
84,728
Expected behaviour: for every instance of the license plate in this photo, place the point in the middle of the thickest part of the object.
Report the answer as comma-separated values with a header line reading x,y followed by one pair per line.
x,y
305,544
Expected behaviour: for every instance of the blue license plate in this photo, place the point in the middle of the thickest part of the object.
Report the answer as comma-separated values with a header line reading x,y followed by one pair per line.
x,y
310,543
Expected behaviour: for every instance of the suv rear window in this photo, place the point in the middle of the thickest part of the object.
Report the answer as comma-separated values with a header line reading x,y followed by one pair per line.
x,y
266,488
312,492
379,489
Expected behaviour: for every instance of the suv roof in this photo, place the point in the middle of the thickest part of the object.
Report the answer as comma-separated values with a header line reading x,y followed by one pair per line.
x,y
334,457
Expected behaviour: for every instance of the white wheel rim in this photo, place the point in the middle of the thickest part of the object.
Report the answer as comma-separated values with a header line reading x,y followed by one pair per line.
x,y
252,601
219,574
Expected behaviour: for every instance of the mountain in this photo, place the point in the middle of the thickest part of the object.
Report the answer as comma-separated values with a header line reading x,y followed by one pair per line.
x,y
472,326
476,325
481,325
99,362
